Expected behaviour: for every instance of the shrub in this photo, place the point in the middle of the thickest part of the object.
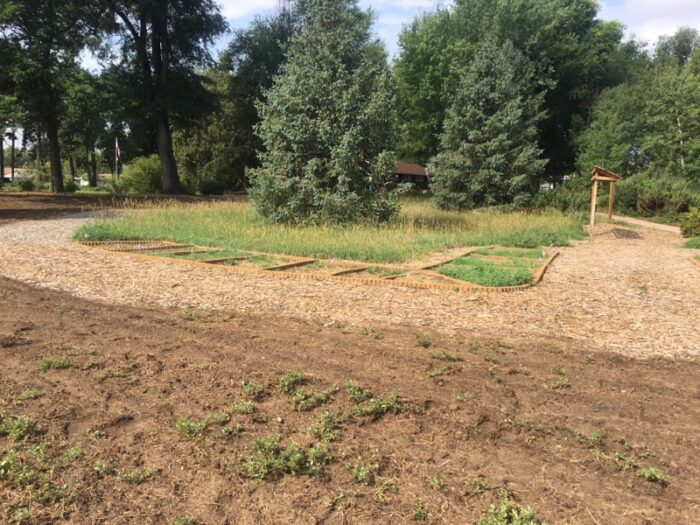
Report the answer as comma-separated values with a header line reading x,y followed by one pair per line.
x,y
142,175
70,186
690,223
26,185
211,187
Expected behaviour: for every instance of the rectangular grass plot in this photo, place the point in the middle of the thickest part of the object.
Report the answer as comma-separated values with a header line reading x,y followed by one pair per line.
x,y
496,267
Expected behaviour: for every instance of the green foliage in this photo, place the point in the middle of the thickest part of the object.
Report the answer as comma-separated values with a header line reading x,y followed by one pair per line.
x,y
690,223
356,393
241,406
54,363
142,175
488,150
652,475
364,470
575,56
189,428
423,340
26,185
17,428
420,513
508,513
615,134
327,124
327,428
288,382
270,460
252,390
136,477
30,393
184,520
305,401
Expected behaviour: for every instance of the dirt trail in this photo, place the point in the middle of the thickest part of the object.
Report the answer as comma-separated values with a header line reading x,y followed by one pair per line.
x,y
635,296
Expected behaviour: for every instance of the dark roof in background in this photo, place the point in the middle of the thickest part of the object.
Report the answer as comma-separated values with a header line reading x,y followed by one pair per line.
x,y
408,168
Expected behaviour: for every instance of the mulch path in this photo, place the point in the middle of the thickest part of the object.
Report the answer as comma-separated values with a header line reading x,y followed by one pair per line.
x,y
639,297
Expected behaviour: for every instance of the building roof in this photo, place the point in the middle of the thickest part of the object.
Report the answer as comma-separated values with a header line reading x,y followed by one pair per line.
x,y
408,168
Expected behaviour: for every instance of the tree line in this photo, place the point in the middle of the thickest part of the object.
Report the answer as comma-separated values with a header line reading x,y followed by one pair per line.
x,y
306,111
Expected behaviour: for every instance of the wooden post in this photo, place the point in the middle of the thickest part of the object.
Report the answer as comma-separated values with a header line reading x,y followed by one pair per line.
x,y
611,200
594,199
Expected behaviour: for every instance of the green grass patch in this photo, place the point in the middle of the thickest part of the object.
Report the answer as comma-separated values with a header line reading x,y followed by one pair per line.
x,y
487,273
419,230
532,253
693,242
54,363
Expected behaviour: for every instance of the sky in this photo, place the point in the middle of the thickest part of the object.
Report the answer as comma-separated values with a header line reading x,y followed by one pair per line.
x,y
645,19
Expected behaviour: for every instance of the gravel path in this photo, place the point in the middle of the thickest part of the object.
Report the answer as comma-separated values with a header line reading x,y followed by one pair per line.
x,y
57,230
637,297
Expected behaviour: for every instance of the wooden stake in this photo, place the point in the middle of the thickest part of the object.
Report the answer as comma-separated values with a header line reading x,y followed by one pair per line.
x,y
611,200
594,199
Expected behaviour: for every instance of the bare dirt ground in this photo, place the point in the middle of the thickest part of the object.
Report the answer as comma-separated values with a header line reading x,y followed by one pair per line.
x,y
563,407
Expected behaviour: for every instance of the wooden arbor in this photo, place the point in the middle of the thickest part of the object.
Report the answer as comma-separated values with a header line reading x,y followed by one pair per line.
x,y
601,175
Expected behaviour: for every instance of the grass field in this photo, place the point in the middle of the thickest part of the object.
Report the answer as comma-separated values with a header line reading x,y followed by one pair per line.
x,y
419,230
495,267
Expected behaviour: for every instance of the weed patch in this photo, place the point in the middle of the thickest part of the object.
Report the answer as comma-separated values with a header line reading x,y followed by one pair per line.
x,y
288,382
54,363
270,460
508,513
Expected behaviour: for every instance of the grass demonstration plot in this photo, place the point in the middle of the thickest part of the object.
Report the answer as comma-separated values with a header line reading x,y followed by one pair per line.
x,y
495,267
419,231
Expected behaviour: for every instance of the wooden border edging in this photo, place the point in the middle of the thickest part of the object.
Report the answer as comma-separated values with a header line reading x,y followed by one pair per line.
x,y
459,286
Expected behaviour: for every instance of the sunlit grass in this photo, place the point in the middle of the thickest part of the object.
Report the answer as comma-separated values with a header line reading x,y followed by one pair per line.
x,y
419,230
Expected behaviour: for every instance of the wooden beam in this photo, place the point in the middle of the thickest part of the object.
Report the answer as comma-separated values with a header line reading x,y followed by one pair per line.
x,y
594,200
611,201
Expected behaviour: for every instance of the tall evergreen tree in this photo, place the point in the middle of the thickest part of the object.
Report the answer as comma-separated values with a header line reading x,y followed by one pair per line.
x,y
489,153
327,122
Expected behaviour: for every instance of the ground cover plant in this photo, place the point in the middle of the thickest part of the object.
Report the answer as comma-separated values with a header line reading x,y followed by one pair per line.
x,y
419,230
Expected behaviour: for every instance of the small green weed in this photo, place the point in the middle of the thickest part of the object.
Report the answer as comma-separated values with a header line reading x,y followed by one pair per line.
x,y
376,408
445,356
423,340
184,520
461,396
420,512
241,406
136,477
103,469
561,384
288,382
17,428
440,371
72,454
558,369
508,513
219,419
189,428
20,515
269,459
54,363
436,482
356,393
653,476
251,390
29,394
363,471
305,401
371,331
327,428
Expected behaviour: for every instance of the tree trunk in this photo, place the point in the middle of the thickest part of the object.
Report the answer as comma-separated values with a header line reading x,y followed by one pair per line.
x,y
54,156
2,158
92,171
12,153
71,165
168,166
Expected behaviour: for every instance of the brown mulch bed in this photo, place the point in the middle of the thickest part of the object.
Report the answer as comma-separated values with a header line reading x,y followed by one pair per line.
x,y
558,428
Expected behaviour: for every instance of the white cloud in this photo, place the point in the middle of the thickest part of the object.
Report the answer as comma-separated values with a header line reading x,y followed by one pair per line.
x,y
650,19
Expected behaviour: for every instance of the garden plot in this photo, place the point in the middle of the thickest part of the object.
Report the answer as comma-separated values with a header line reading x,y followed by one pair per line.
x,y
493,267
